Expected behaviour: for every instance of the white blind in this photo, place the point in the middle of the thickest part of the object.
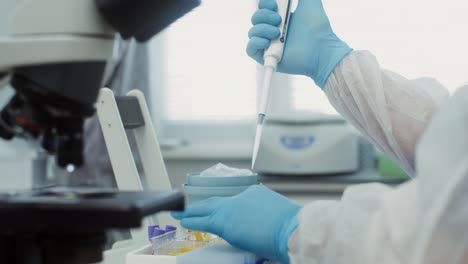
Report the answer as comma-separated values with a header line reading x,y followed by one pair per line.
x,y
210,77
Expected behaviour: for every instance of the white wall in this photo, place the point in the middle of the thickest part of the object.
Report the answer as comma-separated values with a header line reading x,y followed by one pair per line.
x,y
5,8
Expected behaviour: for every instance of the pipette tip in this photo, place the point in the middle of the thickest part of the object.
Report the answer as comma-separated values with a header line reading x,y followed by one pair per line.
x,y
258,138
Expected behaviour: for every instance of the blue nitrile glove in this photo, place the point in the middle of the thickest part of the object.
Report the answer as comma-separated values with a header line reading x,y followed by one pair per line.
x,y
312,48
257,220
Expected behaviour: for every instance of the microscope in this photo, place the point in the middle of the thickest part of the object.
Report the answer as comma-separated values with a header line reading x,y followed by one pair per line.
x,y
54,57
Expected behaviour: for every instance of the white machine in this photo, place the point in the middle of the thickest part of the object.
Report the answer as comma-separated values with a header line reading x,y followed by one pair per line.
x,y
308,145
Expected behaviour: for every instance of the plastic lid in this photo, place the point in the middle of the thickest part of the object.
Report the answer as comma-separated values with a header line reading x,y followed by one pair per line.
x,y
170,228
157,232
151,230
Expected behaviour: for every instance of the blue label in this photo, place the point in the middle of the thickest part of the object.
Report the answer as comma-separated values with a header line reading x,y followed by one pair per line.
x,y
297,142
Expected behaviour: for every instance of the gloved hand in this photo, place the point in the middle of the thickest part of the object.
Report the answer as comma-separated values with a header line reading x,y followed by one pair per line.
x,y
257,220
311,49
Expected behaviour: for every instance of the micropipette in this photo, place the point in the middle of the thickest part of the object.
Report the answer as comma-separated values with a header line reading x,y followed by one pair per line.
x,y
271,57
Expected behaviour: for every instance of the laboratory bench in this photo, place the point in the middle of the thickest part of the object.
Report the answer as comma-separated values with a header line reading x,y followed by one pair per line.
x,y
305,189
302,189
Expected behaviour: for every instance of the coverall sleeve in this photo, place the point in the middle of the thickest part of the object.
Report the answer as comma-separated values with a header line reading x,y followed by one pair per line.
x,y
372,223
390,110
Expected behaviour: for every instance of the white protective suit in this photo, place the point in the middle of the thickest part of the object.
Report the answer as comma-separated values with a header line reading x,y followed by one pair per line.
x,y
422,221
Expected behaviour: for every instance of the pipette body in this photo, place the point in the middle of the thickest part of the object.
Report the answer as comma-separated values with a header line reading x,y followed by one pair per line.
x,y
272,57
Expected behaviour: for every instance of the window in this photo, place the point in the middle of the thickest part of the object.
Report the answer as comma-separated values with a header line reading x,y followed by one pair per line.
x,y
207,93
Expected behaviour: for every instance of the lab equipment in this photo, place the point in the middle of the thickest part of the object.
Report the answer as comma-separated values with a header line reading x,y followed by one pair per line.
x,y
56,224
155,230
151,230
272,56
221,175
45,60
197,193
54,57
170,228
221,170
121,114
200,236
312,48
274,218
179,247
308,144
170,242
205,181
161,238
218,181
216,252
220,253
